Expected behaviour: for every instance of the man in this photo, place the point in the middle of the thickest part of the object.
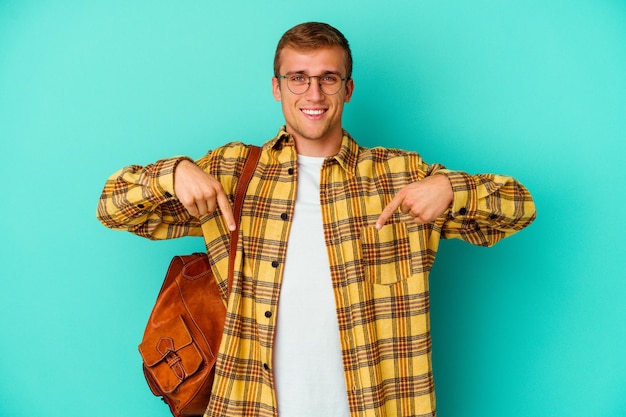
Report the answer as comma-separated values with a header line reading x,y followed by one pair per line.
x,y
329,312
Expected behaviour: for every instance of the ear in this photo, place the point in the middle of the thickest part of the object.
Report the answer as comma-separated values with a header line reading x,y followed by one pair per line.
x,y
349,90
276,89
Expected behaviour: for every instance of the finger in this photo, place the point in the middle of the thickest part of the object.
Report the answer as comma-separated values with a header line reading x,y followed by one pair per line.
x,y
193,210
227,211
388,211
204,207
419,219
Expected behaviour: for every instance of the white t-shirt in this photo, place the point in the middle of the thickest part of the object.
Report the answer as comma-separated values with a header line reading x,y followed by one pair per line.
x,y
308,368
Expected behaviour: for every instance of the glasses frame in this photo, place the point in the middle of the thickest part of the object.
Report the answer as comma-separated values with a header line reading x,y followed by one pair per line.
x,y
319,82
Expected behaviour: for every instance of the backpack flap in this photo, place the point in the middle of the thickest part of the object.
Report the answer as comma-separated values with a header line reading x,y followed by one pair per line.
x,y
170,354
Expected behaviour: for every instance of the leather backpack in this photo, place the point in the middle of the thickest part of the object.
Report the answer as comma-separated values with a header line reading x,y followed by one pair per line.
x,y
184,330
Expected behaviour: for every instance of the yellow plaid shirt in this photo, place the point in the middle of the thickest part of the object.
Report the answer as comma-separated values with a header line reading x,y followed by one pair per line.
x,y
380,277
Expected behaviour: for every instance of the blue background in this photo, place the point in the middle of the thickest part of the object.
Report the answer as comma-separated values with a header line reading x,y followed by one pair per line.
x,y
534,89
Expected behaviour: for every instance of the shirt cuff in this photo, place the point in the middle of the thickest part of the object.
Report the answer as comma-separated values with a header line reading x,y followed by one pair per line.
x,y
464,190
163,182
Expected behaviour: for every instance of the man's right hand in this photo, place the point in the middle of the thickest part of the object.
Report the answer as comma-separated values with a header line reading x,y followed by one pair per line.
x,y
200,192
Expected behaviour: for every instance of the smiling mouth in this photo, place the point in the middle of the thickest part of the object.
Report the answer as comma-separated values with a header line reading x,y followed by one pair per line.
x,y
313,112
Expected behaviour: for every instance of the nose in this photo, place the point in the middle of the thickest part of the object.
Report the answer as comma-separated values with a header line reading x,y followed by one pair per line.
x,y
314,92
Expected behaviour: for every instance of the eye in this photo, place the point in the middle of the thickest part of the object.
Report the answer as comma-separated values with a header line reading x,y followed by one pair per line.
x,y
330,79
298,78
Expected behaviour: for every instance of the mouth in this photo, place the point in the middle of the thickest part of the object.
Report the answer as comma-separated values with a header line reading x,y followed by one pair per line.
x,y
313,114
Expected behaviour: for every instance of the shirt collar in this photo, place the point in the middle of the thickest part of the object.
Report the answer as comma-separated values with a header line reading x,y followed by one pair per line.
x,y
346,157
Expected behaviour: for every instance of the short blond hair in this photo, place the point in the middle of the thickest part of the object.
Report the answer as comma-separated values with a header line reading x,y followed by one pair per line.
x,y
313,35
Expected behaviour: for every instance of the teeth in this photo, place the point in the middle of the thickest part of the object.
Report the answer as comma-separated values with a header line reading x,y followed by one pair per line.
x,y
313,112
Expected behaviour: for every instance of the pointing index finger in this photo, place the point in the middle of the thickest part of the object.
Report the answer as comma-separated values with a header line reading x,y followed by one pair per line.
x,y
227,211
388,211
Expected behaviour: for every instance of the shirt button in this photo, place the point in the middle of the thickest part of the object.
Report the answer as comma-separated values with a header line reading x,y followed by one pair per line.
x,y
266,367
275,264
462,211
290,171
284,216
167,194
140,205
493,216
268,314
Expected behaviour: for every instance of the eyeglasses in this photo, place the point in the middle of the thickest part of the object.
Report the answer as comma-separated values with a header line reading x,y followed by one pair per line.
x,y
299,83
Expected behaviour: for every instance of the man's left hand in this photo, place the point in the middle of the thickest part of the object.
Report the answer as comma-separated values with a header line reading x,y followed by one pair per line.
x,y
423,200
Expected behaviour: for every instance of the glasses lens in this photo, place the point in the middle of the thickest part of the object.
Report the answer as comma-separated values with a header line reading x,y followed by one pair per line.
x,y
298,83
329,83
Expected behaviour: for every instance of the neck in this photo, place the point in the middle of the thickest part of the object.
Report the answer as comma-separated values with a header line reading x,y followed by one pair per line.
x,y
321,147
317,151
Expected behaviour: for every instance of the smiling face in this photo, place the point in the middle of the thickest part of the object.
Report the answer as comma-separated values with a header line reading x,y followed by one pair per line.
x,y
313,118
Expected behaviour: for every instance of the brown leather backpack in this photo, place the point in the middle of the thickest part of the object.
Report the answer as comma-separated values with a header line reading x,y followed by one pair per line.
x,y
183,334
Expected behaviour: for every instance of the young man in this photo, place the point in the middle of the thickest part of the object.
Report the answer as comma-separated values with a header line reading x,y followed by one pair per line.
x,y
329,312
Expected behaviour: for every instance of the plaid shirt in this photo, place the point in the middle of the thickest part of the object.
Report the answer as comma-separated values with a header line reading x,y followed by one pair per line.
x,y
380,277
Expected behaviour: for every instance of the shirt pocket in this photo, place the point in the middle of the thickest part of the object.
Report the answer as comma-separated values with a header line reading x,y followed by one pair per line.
x,y
386,253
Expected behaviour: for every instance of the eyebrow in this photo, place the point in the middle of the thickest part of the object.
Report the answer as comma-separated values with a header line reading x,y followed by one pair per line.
x,y
305,73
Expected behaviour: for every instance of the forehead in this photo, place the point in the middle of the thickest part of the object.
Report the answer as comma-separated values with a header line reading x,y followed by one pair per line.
x,y
313,61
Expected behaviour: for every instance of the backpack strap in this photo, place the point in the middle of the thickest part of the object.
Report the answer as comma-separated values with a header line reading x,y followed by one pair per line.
x,y
249,167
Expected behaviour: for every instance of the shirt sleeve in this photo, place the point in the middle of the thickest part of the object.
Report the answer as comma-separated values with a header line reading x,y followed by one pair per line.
x,y
141,200
486,208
